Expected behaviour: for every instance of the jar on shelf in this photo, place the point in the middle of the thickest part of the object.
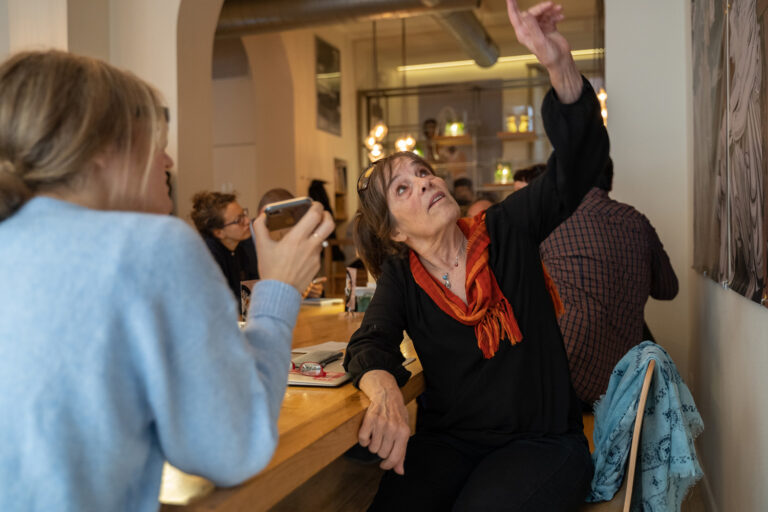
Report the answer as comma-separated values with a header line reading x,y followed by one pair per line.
x,y
503,174
520,119
512,123
454,128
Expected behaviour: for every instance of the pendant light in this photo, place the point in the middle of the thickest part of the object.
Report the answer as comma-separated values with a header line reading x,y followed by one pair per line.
x,y
379,129
405,142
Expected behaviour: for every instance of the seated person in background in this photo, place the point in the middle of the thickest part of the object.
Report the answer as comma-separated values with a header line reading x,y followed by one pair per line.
x,y
463,193
117,334
523,177
499,425
273,196
315,288
606,260
429,129
224,225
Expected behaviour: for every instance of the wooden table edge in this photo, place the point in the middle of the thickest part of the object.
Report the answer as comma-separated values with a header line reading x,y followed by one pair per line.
x,y
277,481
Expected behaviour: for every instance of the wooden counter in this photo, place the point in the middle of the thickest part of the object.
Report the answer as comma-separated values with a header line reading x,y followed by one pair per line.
x,y
316,425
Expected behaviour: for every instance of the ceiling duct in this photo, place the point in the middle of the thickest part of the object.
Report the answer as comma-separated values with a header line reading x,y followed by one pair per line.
x,y
241,17
471,35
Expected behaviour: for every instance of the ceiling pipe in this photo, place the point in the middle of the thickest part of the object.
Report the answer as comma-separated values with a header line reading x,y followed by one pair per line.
x,y
241,17
471,35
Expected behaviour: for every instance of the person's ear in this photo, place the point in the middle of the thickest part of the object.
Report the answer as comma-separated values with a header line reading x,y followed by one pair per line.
x,y
398,236
218,233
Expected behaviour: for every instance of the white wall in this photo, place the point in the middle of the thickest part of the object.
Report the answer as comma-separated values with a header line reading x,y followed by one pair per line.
x,y
272,112
648,124
234,147
315,149
290,151
37,24
730,354
5,42
88,28
716,337
191,67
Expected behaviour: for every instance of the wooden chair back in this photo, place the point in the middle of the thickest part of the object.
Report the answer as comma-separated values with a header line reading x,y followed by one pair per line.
x,y
623,496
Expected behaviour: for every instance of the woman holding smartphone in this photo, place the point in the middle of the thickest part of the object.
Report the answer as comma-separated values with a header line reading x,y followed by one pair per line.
x,y
118,340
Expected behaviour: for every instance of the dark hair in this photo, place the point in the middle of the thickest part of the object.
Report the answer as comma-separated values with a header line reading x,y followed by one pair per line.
x,y
274,195
462,182
528,174
605,180
208,210
373,223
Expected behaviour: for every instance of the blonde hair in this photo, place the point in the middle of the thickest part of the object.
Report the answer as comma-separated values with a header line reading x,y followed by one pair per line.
x,y
58,111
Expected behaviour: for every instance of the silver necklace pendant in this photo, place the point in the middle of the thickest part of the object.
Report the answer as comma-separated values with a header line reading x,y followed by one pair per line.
x,y
446,282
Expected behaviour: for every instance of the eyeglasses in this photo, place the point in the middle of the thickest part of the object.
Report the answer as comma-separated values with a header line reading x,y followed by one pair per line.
x,y
316,364
240,219
365,178
309,369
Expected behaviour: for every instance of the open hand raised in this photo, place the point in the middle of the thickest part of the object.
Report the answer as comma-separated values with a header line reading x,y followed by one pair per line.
x,y
536,29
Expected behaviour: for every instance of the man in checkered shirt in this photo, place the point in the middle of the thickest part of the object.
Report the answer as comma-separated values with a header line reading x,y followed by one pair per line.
x,y
606,260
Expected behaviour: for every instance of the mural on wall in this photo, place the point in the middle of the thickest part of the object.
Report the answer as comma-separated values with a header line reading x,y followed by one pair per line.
x,y
730,134
328,80
710,222
746,127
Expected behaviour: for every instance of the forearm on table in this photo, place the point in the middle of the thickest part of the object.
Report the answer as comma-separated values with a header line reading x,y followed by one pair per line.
x,y
379,385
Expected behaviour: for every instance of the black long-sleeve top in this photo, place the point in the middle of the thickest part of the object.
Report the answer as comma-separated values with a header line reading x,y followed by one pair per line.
x,y
525,389
238,265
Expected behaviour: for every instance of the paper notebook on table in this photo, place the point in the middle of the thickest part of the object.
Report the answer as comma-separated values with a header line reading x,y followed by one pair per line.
x,y
322,301
334,371
334,376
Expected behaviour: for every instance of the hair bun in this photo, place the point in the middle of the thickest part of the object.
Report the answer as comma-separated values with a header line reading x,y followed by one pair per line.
x,y
14,192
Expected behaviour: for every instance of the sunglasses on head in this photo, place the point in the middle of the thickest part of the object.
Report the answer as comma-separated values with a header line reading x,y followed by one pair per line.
x,y
365,178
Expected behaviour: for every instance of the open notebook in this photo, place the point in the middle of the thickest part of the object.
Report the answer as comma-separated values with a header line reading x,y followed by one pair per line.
x,y
334,371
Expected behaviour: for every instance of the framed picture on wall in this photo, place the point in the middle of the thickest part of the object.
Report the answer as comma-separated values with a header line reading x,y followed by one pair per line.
x,y
340,168
328,82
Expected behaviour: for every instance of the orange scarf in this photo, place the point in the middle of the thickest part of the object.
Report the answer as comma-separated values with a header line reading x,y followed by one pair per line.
x,y
487,309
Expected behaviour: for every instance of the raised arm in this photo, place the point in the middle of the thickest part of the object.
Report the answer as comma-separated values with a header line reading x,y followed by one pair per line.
x,y
215,392
571,115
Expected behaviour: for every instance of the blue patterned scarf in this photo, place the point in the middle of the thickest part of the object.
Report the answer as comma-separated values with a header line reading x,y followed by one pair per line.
x,y
667,461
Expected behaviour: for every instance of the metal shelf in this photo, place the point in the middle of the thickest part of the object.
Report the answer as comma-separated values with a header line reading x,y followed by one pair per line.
x,y
450,140
518,136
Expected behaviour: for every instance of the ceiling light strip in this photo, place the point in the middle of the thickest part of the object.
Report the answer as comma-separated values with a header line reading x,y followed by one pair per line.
x,y
593,52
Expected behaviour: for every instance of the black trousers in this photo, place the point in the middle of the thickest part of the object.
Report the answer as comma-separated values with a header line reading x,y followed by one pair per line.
x,y
551,473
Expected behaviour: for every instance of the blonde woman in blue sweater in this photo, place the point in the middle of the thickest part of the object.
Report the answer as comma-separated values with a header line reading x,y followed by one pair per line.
x,y
117,345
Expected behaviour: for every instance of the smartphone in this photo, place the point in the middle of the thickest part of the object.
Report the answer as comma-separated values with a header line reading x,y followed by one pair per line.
x,y
285,214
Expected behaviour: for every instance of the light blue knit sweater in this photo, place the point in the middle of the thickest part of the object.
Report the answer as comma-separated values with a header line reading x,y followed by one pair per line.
x,y
119,348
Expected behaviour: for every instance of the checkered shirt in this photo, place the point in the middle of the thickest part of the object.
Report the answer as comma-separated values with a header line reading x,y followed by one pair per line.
x,y
606,260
